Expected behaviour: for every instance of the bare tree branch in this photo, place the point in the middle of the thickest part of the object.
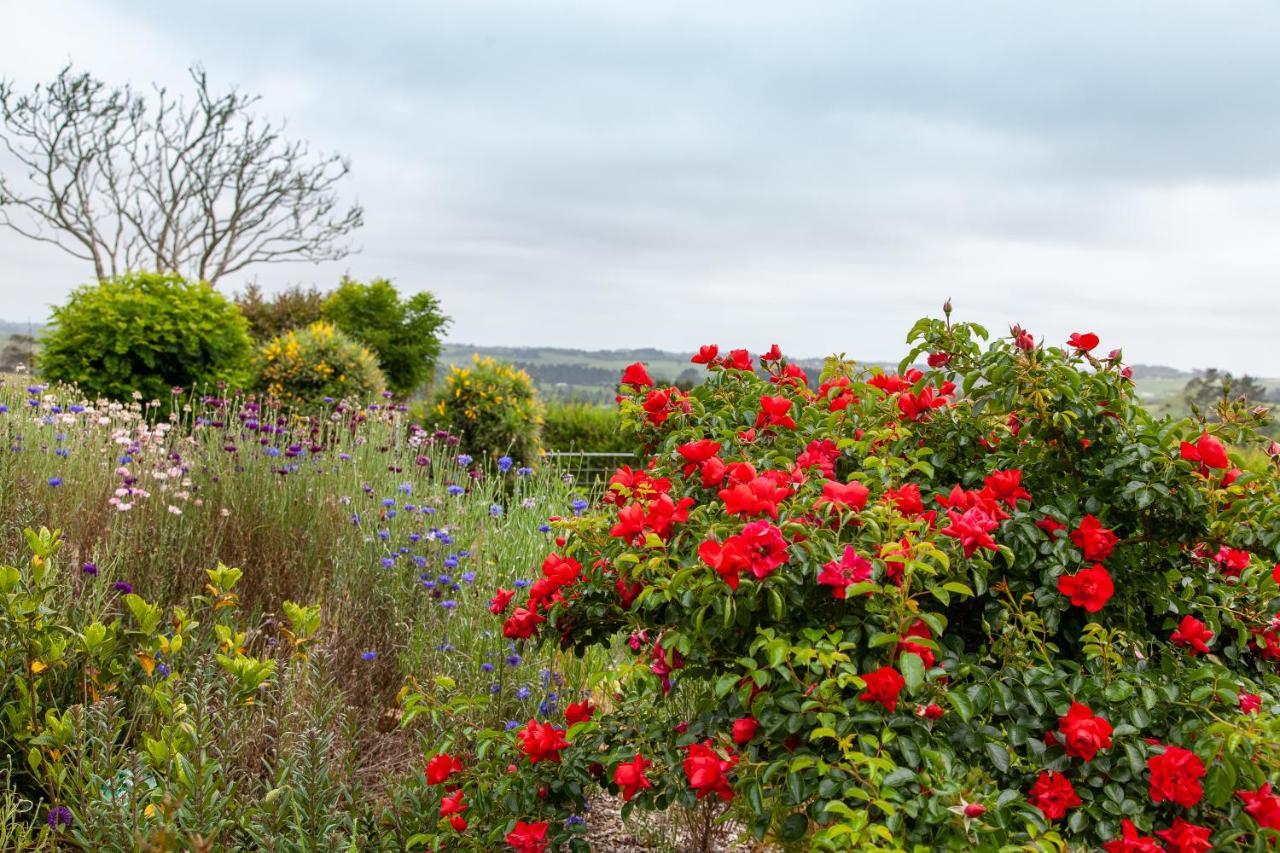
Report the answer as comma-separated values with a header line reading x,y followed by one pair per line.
x,y
198,186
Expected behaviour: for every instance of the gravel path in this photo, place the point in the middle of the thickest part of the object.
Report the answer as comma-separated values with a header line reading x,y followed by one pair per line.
x,y
659,833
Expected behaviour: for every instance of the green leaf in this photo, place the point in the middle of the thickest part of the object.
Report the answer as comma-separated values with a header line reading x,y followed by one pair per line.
x,y
912,670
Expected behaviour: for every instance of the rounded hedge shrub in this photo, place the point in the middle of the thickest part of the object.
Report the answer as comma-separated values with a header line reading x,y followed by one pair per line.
x,y
991,605
146,333
492,407
586,427
317,365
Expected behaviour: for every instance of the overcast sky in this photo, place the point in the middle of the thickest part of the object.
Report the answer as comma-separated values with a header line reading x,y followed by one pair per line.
x,y
606,175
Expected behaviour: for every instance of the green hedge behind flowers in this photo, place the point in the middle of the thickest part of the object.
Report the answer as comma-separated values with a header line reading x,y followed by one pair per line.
x,y
991,605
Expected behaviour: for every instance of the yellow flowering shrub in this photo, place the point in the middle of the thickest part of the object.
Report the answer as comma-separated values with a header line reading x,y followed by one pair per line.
x,y
492,407
303,367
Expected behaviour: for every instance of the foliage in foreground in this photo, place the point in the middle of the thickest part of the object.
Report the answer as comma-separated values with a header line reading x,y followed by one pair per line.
x,y
145,333
991,605
142,733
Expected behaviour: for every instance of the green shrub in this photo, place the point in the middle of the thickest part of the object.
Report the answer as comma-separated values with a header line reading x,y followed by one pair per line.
x,y
492,407
404,334
584,427
145,332
291,308
304,366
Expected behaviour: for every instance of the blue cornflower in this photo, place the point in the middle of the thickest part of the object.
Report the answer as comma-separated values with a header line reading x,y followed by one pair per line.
x,y
520,583
464,460
388,562
59,816
523,693
544,528
547,707
406,488
355,519
505,463
524,472
391,513
369,655
468,577
495,510
410,508
486,667
573,820
162,670
384,535
271,451
513,660
55,481
463,553
89,568
3,408
76,409
388,502
62,452
451,562
444,580
415,537
444,538
579,505
456,490
428,510
123,586
448,604
495,688
420,561
511,724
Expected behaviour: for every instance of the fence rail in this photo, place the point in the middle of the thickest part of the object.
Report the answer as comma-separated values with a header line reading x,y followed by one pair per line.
x,y
585,465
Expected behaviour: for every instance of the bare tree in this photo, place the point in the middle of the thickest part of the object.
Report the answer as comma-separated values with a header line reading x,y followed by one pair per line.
x,y
199,187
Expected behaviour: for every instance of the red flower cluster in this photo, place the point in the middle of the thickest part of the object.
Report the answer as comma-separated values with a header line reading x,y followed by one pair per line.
x,y
528,837
759,549
849,570
1053,794
883,686
1175,776
541,742
707,772
1083,733
630,777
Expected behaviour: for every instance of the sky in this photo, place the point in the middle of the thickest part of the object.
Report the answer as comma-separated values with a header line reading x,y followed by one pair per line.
x,y
611,175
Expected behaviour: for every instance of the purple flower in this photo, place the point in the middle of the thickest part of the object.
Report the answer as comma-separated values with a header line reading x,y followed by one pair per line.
x,y
505,463
524,472
464,460
59,816
369,655
123,586
388,562
522,694
495,510
579,505
55,481
486,667
89,568
513,660
456,490
448,604
511,724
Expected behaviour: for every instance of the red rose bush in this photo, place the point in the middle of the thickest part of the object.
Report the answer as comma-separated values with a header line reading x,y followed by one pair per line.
x,y
993,604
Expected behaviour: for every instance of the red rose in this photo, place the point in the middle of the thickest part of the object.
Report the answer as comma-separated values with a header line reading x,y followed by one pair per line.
x,y
441,767
1095,540
938,359
1232,561
848,495
528,837
1131,842
1250,703
744,729
1084,734
1052,794
932,711
883,686
452,804
636,376
522,624
500,600
973,528
706,354
1262,805
578,712
541,742
707,772
1184,837
1006,486
1089,588
849,570
1193,633
1051,526
1082,342
629,776
458,823
921,630
1175,776
774,413
740,359
1208,451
